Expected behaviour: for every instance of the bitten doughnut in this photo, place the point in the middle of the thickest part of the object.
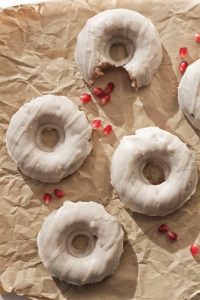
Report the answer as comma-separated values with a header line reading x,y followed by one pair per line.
x,y
153,145
24,138
64,260
189,93
119,26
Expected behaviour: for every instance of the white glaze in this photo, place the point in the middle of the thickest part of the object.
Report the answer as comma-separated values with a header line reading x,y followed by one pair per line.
x,y
135,31
189,93
103,253
176,160
24,145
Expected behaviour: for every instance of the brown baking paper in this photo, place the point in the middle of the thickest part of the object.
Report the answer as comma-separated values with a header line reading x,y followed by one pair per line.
x,y
36,57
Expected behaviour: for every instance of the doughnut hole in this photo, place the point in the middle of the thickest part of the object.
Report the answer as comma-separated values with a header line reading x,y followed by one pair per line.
x,y
155,172
49,137
119,50
81,243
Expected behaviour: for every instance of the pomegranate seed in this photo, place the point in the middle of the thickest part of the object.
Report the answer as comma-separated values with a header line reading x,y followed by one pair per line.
x,y
197,37
109,88
96,124
99,92
105,99
107,129
172,235
59,193
85,98
47,198
194,249
183,66
183,52
163,228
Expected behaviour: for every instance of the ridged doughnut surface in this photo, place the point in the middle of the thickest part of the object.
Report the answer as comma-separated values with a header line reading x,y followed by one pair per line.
x,y
119,26
164,149
101,256
25,147
189,93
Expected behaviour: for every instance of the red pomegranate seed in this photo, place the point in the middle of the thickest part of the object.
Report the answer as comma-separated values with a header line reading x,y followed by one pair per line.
x,y
183,66
194,249
172,235
183,52
59,193
163,228
47,198
96,124
105,99
107,129
99,92
197,37
109,88
85,98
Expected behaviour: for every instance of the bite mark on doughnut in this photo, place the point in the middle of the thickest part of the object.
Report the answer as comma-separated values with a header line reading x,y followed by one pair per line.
x,y
133,81
99,70
103,66
123,38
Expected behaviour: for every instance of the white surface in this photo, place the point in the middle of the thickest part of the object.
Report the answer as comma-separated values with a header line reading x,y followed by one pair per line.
x,y
8,3
152,144
97,38
66,156
69,221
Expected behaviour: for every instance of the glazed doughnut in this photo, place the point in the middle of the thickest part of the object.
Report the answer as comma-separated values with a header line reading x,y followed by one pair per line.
x,y
119,26
189,93
153,145
63,259
32,156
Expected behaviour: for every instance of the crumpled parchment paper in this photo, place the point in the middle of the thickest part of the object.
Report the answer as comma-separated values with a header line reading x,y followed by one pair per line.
x,y
36,57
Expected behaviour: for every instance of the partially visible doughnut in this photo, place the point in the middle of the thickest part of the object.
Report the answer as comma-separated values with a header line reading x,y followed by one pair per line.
x,y
138,35
63,259
32,156
153,145
189,93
